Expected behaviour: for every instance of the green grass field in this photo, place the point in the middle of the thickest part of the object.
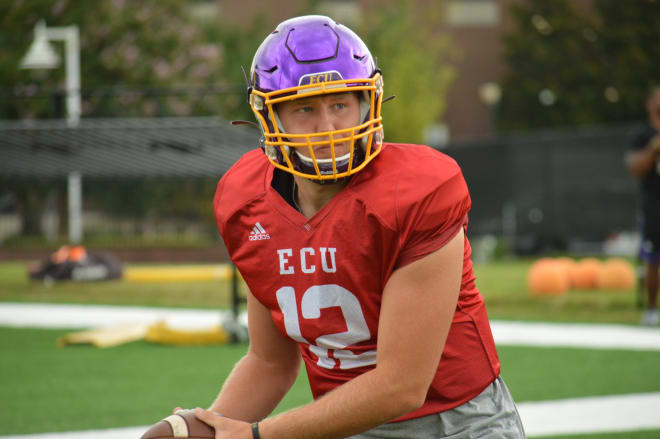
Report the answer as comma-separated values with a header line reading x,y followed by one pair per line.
x,y
502,284
46,388
81,387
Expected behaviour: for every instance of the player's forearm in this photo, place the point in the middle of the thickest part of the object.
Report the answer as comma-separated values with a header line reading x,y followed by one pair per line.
x,y
254,388
640,162
365,402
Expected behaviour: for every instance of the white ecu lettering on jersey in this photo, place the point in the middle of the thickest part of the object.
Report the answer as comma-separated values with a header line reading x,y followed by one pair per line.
x,y
308,260
284,260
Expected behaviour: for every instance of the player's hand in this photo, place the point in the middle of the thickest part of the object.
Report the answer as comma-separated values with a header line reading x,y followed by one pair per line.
x,y
225,428
655,143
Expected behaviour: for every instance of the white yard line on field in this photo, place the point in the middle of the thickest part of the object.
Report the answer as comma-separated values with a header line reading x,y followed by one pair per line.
x,y
618,413
596,336
50,315
599,336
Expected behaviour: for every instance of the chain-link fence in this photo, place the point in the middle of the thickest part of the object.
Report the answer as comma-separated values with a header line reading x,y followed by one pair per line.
x,y
551,190
152,180
142,179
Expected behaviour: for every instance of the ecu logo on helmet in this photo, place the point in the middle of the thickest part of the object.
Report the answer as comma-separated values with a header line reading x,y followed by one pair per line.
x,y
315,78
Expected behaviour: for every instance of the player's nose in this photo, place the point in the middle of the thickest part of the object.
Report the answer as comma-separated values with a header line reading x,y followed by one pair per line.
x,y
325,120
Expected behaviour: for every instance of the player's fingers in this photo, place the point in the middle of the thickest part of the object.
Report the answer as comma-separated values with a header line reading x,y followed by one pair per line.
x,y
176,409
211,418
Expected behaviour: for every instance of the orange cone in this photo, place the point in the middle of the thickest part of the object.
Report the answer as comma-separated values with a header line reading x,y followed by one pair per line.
x,y
569,266
617,274
587,274
547,277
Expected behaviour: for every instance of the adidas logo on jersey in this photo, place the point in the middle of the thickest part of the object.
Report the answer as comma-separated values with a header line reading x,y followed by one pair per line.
x,y
258,233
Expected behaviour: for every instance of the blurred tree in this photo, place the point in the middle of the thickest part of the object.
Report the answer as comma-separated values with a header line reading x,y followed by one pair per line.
x,y
147,58
239,45
130,49
577,66
412,56
161,198
629,36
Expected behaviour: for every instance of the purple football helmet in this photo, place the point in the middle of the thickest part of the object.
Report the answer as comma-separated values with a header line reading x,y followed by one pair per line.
x,y
311,56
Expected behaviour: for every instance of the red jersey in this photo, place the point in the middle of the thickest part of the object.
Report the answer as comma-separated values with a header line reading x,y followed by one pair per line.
x,y
322,278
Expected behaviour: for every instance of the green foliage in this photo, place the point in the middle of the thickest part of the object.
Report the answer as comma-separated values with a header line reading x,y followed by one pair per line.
x,y
147,58
412,56
591,66
146,44
239,45
125,204
629,37
185,198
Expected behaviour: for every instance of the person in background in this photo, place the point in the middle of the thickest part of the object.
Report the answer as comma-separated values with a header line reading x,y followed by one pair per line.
x,y
643,161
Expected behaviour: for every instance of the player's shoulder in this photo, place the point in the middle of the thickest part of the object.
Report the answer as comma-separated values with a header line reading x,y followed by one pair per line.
x,y
411,167
243,182
405,175
421,158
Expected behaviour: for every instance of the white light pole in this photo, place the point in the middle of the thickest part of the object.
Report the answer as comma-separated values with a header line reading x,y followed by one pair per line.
x,y
41,55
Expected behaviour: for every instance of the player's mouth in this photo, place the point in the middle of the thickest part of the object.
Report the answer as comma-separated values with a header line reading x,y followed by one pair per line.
x,y
325,151
322,160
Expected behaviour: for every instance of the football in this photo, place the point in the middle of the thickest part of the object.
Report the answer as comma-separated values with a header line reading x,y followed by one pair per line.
x,y
182,424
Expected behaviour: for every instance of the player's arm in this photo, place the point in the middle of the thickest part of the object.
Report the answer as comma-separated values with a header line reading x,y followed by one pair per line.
x,y
639,162
418,305
264,375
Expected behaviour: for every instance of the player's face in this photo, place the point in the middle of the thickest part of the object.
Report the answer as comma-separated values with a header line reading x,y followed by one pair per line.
x,y
334,111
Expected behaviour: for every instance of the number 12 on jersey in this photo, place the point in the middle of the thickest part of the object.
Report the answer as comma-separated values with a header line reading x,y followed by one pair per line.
x,y
329,348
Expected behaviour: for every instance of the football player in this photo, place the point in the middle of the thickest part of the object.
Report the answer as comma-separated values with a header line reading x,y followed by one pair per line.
x,y
356,258
643,160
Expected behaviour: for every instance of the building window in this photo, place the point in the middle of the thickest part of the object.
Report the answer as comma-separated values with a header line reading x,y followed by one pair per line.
x,y
347,12
479,13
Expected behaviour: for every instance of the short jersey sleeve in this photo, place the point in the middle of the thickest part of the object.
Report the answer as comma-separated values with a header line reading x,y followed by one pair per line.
x,y
641,138
431,211
233,192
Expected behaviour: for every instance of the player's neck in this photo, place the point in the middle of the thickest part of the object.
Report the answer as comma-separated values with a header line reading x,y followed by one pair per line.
x,y
310,197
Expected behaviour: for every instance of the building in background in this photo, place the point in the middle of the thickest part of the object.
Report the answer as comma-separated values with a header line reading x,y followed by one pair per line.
x,y
475,28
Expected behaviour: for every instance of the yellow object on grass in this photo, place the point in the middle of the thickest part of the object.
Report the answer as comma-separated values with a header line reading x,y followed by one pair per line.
x,y
105,337
159,333
163,334
178,273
